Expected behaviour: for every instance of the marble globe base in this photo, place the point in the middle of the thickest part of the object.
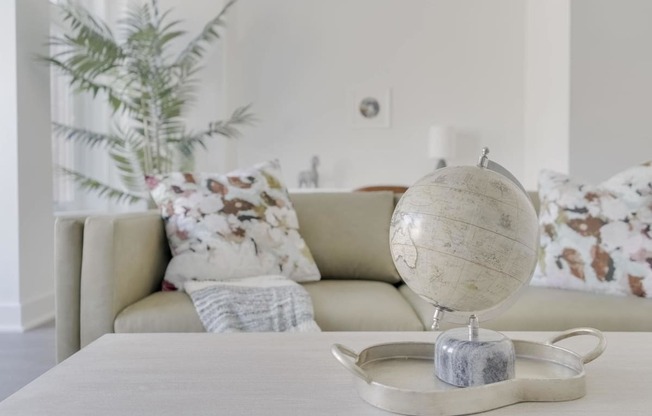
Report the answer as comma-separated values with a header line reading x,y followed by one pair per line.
x,y
464,360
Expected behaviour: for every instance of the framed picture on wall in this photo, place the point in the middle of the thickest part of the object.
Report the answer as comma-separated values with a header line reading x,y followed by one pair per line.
x,y
370,107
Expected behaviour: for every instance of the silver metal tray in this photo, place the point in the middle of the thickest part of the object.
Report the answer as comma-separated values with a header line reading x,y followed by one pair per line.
x,y
399,377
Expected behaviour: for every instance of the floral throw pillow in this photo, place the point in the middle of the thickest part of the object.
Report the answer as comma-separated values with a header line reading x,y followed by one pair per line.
x,y
235,225
597,238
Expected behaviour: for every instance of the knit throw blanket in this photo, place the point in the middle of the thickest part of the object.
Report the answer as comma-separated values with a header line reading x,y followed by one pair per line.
x,y
253,304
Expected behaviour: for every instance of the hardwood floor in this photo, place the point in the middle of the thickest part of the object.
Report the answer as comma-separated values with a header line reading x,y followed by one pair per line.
x,y
23,357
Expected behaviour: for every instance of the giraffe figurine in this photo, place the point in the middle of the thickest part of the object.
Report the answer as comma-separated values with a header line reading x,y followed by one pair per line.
x,y
310,178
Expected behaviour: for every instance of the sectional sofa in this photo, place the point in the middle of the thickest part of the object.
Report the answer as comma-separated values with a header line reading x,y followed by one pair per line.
x,y
108,271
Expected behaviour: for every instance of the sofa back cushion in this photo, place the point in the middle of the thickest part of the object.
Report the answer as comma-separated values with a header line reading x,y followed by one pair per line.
x,y
348,233
534,197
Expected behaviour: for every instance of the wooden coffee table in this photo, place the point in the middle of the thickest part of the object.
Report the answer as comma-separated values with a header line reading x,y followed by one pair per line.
x,y
285,374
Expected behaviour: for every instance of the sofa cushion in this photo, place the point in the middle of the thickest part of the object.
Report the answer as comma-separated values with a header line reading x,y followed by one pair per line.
x,y
160,312
597,238
348,233
234,225
340,305
546,309
358,305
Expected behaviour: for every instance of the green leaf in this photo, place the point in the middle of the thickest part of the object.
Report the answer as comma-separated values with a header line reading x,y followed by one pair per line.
x,y
101,189
88,137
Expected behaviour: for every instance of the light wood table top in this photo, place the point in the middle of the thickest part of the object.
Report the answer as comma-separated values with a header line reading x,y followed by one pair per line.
x,y
286,374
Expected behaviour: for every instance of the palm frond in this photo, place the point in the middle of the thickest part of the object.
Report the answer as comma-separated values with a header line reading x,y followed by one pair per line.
x,y
79,80
195,50
165,29
130,173
87,137
125,156
81,21
89,47
168,35
227,128
101,189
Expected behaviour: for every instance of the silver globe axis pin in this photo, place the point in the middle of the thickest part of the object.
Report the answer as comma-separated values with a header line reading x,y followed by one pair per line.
x,y
437,317
483,162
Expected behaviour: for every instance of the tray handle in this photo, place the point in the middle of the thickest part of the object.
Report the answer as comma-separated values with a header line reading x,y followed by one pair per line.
x,y
348,359
590,356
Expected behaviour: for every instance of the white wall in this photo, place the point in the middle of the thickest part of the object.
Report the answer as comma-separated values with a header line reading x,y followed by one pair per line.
x,y
611,86
456,62
26,229
9,237
547,95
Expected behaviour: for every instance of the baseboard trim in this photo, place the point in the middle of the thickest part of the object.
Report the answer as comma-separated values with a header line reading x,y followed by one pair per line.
x,y
10,317
21,317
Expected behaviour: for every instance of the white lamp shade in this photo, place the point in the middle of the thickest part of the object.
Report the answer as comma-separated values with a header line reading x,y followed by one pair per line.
x,y
441,142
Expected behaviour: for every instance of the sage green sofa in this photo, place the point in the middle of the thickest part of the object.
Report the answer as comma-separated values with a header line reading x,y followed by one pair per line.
x,y
109,268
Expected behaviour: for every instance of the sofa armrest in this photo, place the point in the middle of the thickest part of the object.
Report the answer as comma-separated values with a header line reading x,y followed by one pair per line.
x,y
124,260
68,237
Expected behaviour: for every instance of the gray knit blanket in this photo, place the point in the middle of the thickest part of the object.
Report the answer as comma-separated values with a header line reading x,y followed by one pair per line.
x,y
254,304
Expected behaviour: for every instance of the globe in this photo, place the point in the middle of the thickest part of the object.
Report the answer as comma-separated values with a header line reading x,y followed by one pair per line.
x,y
465,239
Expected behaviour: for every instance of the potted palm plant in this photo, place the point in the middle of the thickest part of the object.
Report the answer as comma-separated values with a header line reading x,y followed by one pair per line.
x,y
148,86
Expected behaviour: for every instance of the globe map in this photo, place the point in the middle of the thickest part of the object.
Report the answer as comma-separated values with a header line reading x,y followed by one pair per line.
x,y
465,239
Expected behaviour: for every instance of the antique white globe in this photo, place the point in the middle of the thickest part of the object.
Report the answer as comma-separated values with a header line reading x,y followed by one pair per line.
x,y
465,239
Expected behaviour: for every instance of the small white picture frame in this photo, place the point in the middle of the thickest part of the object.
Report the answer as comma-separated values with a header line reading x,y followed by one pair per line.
x,y
370,107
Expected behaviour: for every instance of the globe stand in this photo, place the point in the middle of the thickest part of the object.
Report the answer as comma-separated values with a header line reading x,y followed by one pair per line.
x,y
472,356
